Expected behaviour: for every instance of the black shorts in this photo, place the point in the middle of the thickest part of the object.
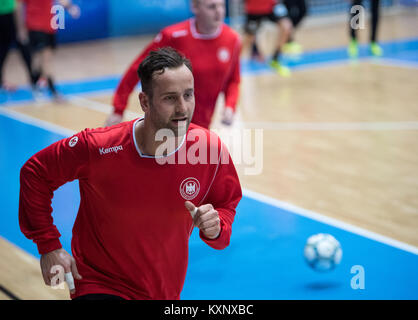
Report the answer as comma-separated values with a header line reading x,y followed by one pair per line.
x,y
7,27
40,40
97,296
253,21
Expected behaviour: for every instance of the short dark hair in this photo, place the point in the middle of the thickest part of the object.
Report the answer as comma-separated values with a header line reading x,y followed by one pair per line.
x,y
157,61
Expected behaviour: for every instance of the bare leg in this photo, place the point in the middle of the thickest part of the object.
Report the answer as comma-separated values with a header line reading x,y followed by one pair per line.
x,y
47,55
247,42
285,30
250,44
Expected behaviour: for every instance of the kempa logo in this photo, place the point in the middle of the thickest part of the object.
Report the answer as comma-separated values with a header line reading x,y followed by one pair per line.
x,y
73,141
109,150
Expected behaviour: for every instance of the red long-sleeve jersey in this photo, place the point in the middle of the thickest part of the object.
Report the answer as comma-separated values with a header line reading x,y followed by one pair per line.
x,y
39,16
131,234
259,6
215,61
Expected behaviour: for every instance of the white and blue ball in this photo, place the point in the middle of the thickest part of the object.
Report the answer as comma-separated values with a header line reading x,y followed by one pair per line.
x,y
323,252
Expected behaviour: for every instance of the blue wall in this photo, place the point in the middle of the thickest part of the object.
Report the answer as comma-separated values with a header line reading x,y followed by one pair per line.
x,y
145,16
92,23
114,18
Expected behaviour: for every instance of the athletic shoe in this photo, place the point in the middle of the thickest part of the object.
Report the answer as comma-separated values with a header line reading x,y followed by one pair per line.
x,y
280,69
292,48
353,49
376,50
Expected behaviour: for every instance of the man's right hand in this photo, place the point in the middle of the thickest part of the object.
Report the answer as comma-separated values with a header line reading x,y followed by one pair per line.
x,y
53,261
113,119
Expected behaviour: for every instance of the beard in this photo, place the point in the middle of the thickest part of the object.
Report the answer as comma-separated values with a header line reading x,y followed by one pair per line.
x,y
177,129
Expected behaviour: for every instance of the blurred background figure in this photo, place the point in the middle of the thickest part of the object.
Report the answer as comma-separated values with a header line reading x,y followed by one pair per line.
x,y
11,26
375,49
213,49
40,28
297,11
258,10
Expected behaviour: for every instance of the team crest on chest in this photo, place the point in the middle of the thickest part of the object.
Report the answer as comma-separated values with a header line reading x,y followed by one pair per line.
x,y
189,188
223,54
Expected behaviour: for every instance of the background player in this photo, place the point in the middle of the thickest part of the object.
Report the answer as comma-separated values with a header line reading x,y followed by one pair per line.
x,y
42,38
130,241
297,11
257,11
11,25
211,46
375,49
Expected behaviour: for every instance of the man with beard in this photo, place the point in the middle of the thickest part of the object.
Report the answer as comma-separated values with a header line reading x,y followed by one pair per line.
x,y
139,201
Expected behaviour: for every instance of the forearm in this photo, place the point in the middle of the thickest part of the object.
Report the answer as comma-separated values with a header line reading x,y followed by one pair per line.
x,y
40,176
232,95
224,195
124,90
129,80
231,89
223,239
35,209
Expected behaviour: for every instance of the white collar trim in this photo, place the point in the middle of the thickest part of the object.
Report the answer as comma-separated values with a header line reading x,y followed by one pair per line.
x,y
148,156
197,35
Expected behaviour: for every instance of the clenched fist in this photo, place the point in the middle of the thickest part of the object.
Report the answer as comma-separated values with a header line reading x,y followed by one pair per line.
x,y
206,218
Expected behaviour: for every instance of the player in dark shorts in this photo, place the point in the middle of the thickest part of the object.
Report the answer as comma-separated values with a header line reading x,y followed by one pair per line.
x,y
375,49
297,10
39,43
11,33
256,12
42,39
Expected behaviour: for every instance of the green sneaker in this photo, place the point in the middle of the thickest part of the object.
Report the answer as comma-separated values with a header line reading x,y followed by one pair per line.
x,y
376,50
353,49
292,48
282,70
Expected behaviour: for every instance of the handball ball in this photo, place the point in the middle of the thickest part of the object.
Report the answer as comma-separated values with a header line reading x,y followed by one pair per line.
x,y
322,252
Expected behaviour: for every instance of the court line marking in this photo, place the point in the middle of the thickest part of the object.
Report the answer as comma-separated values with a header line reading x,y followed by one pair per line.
x,y
31,102
100,107
299,126
333,126
393,62
37,122
280,126
84,102
330,221
338,53
265,69
311,66
246,192
8,293
261,69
